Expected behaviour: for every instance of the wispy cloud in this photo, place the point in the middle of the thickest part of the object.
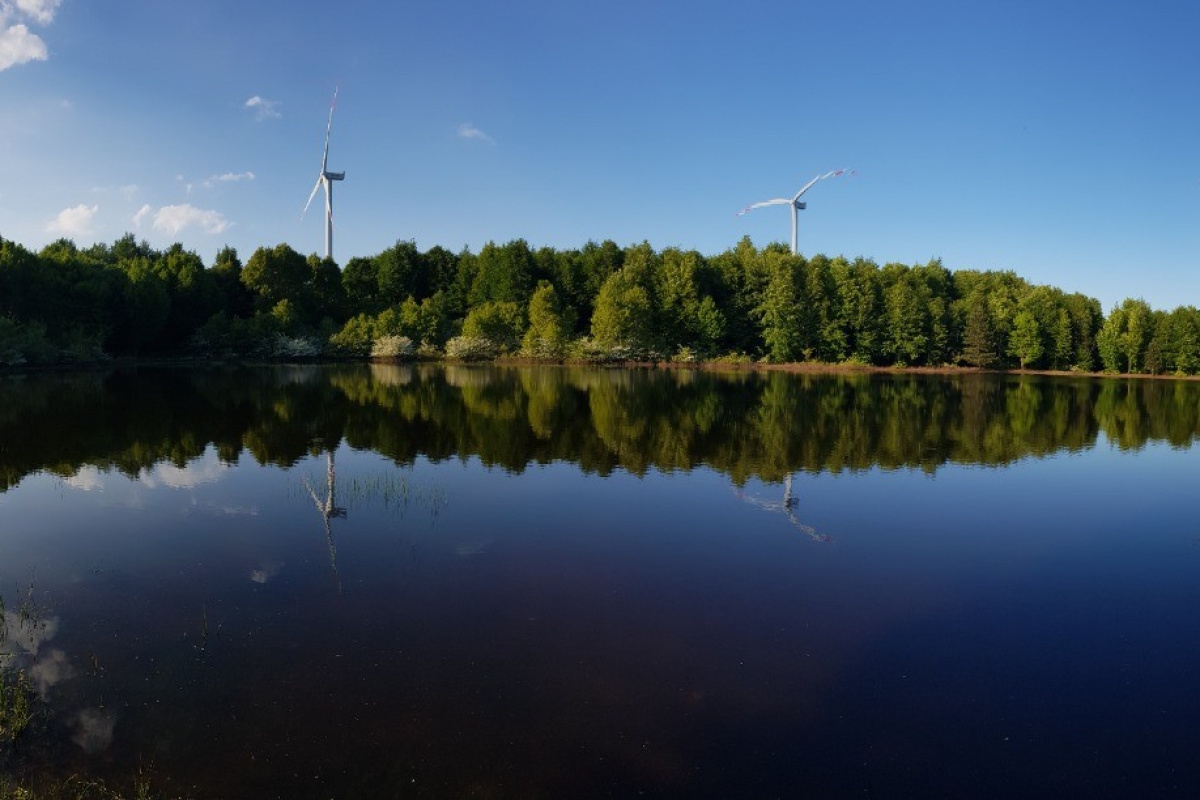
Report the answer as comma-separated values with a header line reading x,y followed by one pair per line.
x,y
19,45
141,215
74,222
468,131
234,177
228,177
173,219
263,108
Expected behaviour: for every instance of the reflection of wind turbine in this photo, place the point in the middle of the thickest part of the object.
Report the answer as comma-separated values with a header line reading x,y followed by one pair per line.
x,y
795,203
326,179
788,506
329,509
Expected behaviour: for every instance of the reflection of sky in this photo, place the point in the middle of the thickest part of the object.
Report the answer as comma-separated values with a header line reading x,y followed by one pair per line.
x,y
582,581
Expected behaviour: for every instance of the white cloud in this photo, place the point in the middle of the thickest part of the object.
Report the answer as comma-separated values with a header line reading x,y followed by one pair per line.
x,y
263,108
173,219
141,215
40,11
73,222
19,46
128,191
469,131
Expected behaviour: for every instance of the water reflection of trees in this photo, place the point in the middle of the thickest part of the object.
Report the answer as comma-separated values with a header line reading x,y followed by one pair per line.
x,y
745,424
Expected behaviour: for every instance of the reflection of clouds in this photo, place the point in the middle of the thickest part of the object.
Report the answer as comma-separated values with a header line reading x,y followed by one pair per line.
x,y
29,635
204,469
237,511
93,730
208,468
87,479
471,549
52,668
269,570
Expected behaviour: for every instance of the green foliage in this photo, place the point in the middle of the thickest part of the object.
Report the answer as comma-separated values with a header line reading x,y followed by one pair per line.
x,y
1025,342
781,310
500,322
275,274
550,325
504,274
356,337
624,314
978,340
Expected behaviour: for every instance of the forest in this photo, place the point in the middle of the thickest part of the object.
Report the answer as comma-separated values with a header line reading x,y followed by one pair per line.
x,y
599,303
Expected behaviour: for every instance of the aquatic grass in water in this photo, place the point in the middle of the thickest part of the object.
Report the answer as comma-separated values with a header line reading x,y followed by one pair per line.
x,y
17,699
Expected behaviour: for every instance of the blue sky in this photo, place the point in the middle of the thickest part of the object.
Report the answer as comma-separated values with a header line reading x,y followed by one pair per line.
x,y
1060,140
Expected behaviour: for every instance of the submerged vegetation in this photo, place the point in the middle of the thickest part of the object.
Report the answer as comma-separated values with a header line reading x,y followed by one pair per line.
x,y
599,303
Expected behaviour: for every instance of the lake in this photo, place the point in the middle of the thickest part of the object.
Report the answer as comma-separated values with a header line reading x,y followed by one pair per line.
x,y
457,581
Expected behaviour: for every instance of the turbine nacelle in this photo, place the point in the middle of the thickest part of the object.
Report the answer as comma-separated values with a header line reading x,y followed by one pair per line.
x,y
335,176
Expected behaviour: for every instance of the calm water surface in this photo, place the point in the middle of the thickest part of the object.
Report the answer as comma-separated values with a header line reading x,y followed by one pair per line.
x,y
493,582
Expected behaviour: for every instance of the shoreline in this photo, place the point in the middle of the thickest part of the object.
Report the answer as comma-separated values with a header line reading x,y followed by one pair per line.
x,y
795,367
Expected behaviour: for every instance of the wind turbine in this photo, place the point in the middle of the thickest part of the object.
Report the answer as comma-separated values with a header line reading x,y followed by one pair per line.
x,y
795,203
788,506
326,179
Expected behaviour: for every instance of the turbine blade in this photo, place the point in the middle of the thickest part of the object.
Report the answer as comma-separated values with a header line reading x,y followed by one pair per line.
x,y
311,196
778,201
328,130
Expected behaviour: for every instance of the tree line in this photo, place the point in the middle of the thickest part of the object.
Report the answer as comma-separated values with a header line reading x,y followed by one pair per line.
x,y
599,303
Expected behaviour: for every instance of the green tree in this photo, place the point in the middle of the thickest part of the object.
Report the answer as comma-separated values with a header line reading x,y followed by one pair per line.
x,y
360,286
906,314
1109,341
550,324
1025,342
275,274
226,273
400,274
978,343
500,322
624,314
504,274
780,310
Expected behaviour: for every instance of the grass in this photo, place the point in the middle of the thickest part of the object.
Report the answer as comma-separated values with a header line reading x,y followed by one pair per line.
x,y
80,788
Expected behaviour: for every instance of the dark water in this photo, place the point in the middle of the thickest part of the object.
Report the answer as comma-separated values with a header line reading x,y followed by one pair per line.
x,y
575,582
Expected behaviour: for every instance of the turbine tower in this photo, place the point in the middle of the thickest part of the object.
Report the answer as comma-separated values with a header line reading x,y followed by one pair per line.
x,y
326,179
795,203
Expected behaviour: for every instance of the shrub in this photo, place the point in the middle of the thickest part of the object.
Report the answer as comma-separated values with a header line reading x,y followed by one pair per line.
x,y
472,348
392,347
295,347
